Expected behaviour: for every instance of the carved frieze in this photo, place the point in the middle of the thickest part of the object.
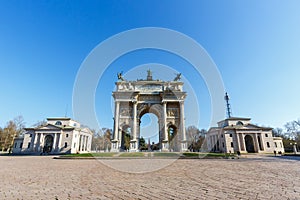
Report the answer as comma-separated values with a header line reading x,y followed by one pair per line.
x,y
172,112
125,112
149,98
149,88
127,86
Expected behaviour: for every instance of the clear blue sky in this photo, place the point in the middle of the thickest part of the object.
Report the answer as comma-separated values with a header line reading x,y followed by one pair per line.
x,y
255,45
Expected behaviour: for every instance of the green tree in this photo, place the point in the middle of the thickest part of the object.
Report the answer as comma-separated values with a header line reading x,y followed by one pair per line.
x,y
143,145
126,141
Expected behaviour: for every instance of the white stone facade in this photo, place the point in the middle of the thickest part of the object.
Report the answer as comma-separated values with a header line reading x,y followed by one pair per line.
x,y
238,135
165,99
58,135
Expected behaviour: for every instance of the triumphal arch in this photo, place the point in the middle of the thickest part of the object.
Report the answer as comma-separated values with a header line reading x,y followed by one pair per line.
x,y
165,99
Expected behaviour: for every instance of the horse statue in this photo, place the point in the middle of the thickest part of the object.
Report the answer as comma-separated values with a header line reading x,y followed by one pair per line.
x,y
120,76
178,77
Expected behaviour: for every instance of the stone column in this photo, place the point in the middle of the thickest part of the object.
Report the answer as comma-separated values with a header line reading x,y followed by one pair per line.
x,y
41,141
133,142
164,136
262,142
78,143
86,142
116,128
54,142
243,142
38,144
182,127
165,128
114,145
60,138
35,142
210,143
238,142
81,142
182,121
214,143
134,111
256,143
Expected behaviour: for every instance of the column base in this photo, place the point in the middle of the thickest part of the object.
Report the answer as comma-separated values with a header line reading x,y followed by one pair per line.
x,y
165,146
133,146
183,146
114,146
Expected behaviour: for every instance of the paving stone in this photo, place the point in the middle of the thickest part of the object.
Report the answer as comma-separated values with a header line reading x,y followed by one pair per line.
x,y
252,178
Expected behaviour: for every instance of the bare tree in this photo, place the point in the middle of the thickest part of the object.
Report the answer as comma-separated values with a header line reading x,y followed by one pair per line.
x,y
13,129
40,123
192,133
277,132
195,138
293,129
101,139
19,125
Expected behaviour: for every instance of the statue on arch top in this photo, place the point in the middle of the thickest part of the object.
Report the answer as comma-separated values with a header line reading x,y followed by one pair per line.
x,y
120,76
178,77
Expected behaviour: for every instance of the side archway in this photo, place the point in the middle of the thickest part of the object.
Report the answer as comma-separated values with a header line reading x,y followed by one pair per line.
x,y
125,138
173,138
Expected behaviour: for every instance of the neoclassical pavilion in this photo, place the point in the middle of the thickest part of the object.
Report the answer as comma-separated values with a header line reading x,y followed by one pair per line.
x,y
165,99
239,134
57,135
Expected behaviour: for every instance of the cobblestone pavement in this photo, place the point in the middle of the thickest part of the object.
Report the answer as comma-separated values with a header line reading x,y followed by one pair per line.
x,y
250,178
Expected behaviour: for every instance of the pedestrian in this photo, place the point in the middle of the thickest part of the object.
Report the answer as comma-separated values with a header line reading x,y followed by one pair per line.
x,y
275,152
238,154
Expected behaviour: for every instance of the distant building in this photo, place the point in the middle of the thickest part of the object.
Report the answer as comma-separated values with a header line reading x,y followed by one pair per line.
x,y
238,134
58,135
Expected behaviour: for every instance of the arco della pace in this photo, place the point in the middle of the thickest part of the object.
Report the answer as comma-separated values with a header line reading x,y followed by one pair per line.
x,y
165,99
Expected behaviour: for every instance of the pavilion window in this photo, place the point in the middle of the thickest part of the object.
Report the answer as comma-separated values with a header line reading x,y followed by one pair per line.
x,y
58,123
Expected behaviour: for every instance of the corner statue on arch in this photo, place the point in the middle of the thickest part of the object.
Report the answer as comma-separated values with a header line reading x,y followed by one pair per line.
x,y
133,99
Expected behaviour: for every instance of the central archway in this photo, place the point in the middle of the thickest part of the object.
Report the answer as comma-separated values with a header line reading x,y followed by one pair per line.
x,y
153,110
149,132
249,144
